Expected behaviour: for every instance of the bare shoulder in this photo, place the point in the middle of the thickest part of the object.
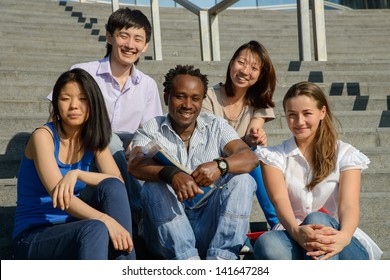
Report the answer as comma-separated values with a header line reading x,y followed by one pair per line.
x,y
41,134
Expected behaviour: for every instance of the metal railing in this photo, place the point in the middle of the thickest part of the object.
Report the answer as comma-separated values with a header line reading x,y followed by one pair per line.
x,y
209,29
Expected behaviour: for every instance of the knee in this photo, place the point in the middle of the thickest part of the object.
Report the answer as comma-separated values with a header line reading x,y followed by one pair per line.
x,y
237,196
243,184
113,186
94,230
268,247
320,218
264,249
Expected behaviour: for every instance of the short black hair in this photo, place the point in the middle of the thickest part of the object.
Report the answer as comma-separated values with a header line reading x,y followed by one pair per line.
x,y
184,70
128,18
96,132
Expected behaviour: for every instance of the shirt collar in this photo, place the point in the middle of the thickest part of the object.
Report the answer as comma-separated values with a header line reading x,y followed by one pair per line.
x,y
291,147
202,122
105,68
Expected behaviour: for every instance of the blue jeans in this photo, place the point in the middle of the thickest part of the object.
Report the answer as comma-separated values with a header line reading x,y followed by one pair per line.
x,y
217,229
263,199
278,245
133,186
80,239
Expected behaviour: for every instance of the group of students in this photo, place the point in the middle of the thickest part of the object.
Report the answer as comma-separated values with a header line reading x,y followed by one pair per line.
x,y
79,193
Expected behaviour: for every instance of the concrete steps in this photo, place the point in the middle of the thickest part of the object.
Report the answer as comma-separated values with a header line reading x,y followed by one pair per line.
x,y
53,35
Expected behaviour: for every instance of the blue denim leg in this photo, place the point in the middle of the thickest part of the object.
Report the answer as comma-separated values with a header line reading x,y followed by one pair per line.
x,y
354,251
83,240
232,207
111,198
167,231
277,245
262,197
133,186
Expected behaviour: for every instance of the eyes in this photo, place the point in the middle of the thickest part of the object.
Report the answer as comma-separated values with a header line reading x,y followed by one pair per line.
x,y
293,114
66,98
244,63
126,36
183,97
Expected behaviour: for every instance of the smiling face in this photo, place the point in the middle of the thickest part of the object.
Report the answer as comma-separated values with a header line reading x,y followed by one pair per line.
x,y
184,102
303,116
73,105
127,45
245,69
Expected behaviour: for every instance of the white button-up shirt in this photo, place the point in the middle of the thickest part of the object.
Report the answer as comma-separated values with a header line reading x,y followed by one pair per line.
x,y
297,173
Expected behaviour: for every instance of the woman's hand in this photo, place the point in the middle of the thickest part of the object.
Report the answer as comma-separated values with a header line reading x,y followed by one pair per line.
x,y
119,236
328,242
63,192
256,137
319,241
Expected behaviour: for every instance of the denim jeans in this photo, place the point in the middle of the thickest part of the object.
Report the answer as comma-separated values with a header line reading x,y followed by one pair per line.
x,y
214,230
278,245
133,186
80,239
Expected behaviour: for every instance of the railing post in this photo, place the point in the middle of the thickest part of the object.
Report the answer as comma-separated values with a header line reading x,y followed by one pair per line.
x,y
204,35
304,30
156,29
319,35
215,46
115,5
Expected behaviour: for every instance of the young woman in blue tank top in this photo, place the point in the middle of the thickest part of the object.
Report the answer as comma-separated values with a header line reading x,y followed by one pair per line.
x,y
63,210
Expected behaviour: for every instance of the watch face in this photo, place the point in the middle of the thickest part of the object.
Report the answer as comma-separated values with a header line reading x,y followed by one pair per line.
x,y
222,165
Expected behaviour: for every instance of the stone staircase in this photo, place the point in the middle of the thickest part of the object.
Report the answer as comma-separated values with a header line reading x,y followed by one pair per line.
x,y
40,39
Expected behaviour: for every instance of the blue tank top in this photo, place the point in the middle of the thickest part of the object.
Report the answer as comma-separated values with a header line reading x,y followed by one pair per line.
x,y
34,205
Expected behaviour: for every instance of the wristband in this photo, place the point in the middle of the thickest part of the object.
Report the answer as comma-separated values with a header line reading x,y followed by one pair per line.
x,y
167,172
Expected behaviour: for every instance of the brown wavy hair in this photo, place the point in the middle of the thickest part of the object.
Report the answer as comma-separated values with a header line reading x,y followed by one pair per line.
x,y
325,139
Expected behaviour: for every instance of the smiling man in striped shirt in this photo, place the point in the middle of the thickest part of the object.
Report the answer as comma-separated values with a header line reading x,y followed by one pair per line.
x,y
215,229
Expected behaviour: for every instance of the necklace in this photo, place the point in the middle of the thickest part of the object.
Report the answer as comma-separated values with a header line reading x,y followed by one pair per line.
x,y
187,139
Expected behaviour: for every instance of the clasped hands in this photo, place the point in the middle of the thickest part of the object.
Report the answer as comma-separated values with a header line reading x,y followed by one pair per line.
x,y
321,242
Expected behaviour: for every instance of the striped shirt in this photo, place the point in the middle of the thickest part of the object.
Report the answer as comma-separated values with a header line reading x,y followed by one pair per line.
x,y
210,136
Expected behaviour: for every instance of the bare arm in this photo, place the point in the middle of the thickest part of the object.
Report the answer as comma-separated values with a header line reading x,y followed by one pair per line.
x,y
40,148
327,246
143,167
240,158
277,191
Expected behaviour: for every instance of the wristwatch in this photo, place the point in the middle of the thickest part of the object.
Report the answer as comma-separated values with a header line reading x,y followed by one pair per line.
x,y
222,165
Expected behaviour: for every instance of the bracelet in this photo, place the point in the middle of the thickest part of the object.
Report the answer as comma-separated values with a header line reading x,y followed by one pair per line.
x,y
167,172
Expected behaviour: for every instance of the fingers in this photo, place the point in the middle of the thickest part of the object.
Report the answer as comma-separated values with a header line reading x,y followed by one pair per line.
x,y
121,239
64,197
54,197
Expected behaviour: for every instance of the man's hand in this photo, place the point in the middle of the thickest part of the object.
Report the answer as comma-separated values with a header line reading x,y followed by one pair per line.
x,y
185,186
206,173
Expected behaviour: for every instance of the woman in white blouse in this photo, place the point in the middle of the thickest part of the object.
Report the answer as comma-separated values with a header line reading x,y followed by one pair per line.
x,y
307,173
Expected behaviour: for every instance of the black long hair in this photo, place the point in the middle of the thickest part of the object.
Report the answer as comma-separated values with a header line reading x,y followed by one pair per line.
x,y
96,132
